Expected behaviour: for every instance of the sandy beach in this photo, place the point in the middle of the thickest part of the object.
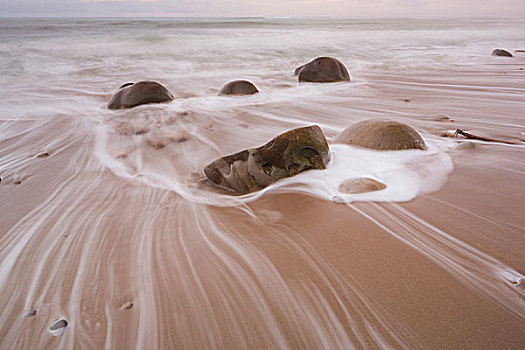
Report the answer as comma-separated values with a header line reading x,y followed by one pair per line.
x,y
108,222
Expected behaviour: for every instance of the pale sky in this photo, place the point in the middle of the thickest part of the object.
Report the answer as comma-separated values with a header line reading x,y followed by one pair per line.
x,y
270,8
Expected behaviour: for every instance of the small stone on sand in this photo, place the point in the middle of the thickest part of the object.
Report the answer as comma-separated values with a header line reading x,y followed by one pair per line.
x,y
361,185
337,199
181,137
17,182
155,143
448,133
126,306
30,313
42,155
58,327
466,145
443,118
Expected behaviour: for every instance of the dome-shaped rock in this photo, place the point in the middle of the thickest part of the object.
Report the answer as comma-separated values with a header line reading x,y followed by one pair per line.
x,y
385,135
238,88
285,155
323,70
501,52
361,185
134,94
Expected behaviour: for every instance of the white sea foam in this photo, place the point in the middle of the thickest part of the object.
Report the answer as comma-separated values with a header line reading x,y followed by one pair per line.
x,y
406,174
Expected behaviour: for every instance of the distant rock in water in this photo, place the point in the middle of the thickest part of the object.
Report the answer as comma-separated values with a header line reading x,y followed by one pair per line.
x,y
501,52
238,88
286,155
384,135
361,185
134,94
323,70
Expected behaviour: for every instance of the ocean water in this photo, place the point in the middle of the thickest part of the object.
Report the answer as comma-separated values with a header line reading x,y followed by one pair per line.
x,y
195,57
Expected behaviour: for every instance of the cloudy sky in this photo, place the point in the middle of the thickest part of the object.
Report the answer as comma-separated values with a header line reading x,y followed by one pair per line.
x,y
338,8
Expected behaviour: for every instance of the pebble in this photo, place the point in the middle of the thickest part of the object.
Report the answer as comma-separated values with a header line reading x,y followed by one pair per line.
x,y
466,145
30,313
127,305
337,199
155,143
361,185
58,328
443,118
42,155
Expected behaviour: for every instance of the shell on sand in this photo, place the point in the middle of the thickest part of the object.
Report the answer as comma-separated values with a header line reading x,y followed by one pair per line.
x,y
239,88
383,135
361,185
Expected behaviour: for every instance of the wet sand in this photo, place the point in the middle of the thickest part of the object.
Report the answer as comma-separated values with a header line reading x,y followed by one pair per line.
x,y
78,241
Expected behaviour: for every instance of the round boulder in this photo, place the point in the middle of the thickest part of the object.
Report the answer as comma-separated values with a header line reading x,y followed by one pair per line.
x,y
323,70
238,88
134,94
501,52
383,135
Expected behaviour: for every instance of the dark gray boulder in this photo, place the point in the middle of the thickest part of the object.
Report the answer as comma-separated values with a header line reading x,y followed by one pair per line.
x,y
286,155
501,52
322,70
134,94
238,88
385,135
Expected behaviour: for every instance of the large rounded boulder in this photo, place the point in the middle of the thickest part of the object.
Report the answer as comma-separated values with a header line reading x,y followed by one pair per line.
x,y
134,94
323,70
384,135
501,52
238,88
286,155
